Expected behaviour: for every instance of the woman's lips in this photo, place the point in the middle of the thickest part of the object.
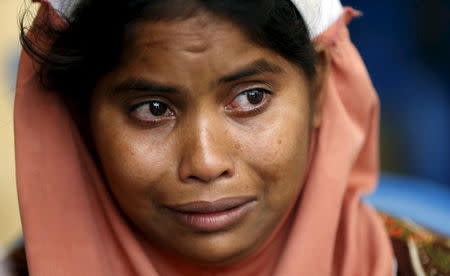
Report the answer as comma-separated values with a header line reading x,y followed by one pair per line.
x,y
205,216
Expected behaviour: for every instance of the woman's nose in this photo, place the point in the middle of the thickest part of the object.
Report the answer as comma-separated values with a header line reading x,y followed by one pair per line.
x,y
205,157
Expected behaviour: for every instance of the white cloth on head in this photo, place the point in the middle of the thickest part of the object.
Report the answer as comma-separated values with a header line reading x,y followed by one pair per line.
x,y
318,14
64,7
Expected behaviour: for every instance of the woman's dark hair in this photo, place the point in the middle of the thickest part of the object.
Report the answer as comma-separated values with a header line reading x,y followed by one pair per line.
x,y
93,40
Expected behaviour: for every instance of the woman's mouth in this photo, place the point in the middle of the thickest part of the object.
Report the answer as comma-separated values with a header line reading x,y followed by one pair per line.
x,y
206,216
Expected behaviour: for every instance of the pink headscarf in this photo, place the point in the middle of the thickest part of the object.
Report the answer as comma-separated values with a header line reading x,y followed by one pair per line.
x,y
72,226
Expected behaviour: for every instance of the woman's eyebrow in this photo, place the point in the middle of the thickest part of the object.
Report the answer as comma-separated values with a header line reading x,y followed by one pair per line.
x,y
143,85
257,67
140,84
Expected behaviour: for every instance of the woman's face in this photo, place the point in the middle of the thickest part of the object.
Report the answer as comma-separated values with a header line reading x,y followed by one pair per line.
x,y
203,137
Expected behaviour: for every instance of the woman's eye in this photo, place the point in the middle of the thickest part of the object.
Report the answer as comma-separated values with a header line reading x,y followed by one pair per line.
x,y
249,100
152,111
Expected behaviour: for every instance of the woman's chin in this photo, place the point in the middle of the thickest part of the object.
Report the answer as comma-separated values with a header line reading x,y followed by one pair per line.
x,y
215,250
216,238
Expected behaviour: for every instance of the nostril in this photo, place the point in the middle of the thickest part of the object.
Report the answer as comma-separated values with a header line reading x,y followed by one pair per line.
x,y
195,178
225,174
207,178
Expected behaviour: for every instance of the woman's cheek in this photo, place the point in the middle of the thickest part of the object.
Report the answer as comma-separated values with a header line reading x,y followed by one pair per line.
x,y
133,161
277,153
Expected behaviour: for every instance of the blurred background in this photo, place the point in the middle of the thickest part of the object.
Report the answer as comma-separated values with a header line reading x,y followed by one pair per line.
x,y
9,52
406,45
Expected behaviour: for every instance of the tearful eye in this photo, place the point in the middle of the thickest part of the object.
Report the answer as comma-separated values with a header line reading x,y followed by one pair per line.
x,y
157,108
255,96
151,111
250,100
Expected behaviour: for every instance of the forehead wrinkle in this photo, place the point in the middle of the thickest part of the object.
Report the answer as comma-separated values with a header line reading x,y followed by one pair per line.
x,y
180,42
194,35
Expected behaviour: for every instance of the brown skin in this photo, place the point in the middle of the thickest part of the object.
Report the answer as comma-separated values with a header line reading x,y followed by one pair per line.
x,y
211,143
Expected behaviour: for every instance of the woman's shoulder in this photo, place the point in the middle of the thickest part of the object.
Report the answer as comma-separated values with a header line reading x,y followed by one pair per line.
x,y
418,251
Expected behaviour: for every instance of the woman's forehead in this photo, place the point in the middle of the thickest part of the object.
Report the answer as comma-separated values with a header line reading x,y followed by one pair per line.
x,y
195,34
199,49
187,45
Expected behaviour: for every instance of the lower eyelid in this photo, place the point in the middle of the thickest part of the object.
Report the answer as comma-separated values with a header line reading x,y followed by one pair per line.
x,y
134,114
252,111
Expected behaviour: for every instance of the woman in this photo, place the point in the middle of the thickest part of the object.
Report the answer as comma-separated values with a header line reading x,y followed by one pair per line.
x,y
197,138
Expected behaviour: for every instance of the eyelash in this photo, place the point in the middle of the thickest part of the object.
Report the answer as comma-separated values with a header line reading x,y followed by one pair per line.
x,y
254,110
159,119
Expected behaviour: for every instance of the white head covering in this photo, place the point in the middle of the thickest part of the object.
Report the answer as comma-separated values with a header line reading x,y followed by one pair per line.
x,y
64,7
318,14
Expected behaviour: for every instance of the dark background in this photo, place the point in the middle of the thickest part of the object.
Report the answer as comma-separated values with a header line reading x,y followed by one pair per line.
x,y
406,46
